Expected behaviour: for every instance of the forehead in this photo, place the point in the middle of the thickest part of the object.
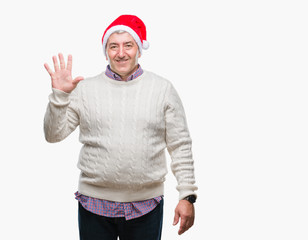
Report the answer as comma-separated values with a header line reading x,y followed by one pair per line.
x,y
120,38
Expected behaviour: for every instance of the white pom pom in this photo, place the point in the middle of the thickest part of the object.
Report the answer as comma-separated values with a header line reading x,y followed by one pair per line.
x,y
145,44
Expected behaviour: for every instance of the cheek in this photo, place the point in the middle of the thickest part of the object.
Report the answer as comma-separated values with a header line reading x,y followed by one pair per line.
x,y
110,55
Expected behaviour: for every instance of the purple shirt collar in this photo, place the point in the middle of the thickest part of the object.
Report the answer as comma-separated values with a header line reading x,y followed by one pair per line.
x,y
109,73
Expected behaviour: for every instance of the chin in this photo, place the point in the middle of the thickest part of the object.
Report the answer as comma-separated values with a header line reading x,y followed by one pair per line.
x,y
122,70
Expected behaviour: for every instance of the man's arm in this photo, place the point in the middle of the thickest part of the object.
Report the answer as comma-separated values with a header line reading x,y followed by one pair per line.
x,y
61,116
179,147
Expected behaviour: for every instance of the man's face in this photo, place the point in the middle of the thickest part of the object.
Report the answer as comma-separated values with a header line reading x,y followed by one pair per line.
x,y
123,54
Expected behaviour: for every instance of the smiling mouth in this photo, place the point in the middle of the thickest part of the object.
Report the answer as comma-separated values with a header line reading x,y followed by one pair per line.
x,y
122,60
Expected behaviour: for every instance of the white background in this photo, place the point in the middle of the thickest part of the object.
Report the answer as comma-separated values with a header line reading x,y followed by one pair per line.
x,y
240,68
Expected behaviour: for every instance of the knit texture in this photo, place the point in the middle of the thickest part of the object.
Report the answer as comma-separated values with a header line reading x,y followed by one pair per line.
x,y
125,128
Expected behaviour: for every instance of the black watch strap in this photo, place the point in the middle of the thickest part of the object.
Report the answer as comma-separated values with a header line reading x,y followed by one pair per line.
x,y
190,198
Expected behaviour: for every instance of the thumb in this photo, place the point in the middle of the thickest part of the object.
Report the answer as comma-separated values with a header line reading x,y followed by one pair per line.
x,y
176,218
78,79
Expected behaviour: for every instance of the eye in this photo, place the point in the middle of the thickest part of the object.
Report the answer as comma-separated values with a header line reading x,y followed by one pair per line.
x,y
113,47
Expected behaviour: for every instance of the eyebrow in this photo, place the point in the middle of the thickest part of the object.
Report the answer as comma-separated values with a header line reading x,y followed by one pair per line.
x,y
129,42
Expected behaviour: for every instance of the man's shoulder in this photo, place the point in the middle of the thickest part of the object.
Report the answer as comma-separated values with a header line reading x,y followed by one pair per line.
x,y
93,79
90,81
156,77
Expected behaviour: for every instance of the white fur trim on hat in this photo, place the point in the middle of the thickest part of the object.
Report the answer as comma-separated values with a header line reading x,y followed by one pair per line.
x,y
126,29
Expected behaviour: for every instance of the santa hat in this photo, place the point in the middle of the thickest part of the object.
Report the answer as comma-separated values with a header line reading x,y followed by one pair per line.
x,y
131,24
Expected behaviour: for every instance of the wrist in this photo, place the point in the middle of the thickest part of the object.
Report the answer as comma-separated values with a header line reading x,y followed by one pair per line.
x,y
190,198
59,97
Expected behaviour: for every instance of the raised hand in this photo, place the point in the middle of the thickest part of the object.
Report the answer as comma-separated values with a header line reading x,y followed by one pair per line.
x,y
61,78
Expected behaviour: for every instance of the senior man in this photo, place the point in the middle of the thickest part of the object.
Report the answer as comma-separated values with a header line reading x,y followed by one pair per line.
x,y
127,117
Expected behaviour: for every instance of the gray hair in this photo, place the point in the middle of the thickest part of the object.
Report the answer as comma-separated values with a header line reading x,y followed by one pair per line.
x,y
119,31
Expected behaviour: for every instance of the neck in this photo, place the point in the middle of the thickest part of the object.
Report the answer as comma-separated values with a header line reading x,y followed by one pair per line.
x,y
124,76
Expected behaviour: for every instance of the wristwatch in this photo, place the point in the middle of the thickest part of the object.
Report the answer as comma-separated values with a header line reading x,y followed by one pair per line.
x,y
190,198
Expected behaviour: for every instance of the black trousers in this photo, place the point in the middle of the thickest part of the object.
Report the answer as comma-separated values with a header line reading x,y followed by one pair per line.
x,y
96,227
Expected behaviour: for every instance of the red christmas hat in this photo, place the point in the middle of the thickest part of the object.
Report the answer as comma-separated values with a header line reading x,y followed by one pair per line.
x,y
131,24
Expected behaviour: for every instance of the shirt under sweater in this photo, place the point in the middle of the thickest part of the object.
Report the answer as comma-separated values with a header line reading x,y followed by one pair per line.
x,y
124,128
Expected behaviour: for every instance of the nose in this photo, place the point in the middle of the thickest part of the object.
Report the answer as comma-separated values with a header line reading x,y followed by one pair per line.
x,y
121,52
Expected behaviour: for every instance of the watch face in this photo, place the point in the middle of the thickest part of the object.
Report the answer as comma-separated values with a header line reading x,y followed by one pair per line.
x,y
191,198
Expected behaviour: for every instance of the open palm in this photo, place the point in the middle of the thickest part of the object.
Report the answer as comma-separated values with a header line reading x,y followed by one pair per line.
x,y
61,77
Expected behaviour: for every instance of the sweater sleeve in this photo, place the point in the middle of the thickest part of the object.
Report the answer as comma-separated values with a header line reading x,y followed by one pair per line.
x,y
61,117
179,144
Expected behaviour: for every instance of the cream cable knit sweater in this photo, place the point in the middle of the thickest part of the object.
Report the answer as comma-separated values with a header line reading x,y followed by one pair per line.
x,y
124,128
